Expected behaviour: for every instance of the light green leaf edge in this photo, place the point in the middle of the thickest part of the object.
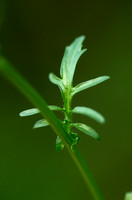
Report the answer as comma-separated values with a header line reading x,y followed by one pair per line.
x,y
87,84
71,56
87,130
128,196
41,123
29,112
34,111
89,112
55,80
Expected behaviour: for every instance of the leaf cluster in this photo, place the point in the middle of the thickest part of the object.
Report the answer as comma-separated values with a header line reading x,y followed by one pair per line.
x,y
65,83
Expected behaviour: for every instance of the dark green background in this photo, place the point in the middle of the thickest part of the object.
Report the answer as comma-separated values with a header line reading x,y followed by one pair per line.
x,y
33,35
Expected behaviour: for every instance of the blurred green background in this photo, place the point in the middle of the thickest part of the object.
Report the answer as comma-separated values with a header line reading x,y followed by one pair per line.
x,y
33,35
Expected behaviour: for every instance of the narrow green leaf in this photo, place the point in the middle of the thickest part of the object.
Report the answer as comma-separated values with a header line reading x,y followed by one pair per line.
x,y
57,81
87,84
52,107
34,111
41,123
90,113
71,55
29,112
54,79
87,130
59,144
128,196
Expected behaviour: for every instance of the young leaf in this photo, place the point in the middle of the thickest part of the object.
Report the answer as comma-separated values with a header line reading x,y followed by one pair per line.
x,y
52,107
57,81
71,55
29,112
90,113
87,130
59,144
41,123
54,79
87,84
128,196
34,111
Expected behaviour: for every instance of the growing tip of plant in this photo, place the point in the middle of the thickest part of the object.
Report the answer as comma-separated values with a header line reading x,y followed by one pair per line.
x,y
65,83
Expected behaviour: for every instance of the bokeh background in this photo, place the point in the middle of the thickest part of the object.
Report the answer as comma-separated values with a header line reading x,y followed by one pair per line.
x,y
33,35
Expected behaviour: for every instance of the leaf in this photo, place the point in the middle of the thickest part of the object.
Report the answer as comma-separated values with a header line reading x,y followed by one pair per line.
x,y
71,55
41,123
34,111
52,107
59,144
57,81
29,112
128,196
90,113
87,84
87,130
54,79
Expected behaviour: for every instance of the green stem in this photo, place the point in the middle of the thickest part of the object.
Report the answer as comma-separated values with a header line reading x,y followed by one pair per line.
x,y
18,81
67,107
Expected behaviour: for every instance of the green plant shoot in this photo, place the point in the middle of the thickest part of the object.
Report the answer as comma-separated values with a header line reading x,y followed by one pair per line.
x,y
65,83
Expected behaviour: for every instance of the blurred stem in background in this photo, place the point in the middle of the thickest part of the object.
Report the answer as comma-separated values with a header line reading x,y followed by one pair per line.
x,y
20,83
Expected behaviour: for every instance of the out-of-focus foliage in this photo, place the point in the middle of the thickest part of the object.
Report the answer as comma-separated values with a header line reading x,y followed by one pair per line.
x,y
128,196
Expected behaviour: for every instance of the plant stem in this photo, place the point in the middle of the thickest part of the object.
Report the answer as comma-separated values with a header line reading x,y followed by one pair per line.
x,y
18,81
76,155
67,107
86,174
